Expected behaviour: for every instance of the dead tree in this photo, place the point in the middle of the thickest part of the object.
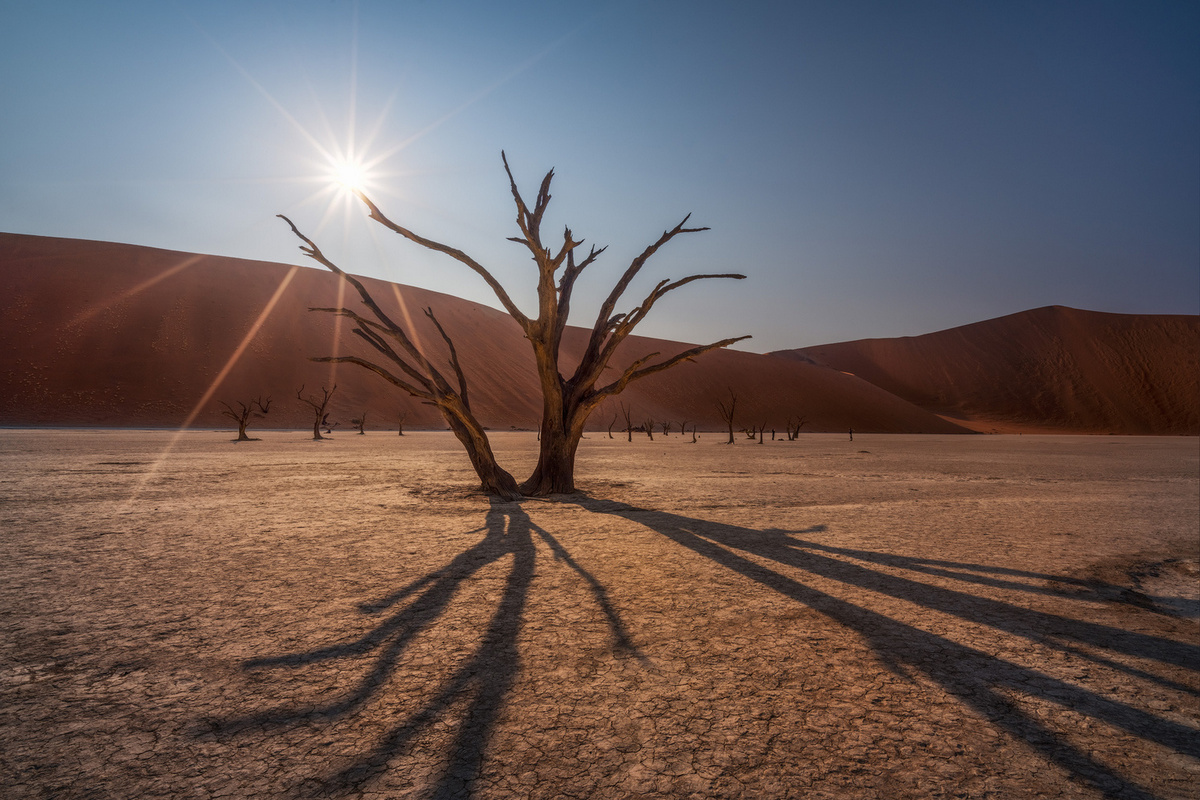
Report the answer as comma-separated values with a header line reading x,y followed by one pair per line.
x,y
726,411
666,428
361,423
318,405
625,411
244,413
400,422
648,427
610,426
793,427
693,433
567,401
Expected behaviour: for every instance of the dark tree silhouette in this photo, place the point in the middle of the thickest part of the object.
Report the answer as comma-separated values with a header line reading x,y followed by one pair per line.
x,y
628,414
244,413
360,422
727,411
566,401
793,427
319,406
400,421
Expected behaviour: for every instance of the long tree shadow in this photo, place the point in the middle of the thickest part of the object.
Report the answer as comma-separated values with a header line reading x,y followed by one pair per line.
x,y
482,681
977,678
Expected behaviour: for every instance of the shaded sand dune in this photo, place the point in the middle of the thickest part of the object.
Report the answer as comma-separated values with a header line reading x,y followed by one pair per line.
x,y
118,335
1051,368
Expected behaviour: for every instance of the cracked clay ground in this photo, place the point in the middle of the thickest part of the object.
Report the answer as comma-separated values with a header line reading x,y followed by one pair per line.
x,y
894,617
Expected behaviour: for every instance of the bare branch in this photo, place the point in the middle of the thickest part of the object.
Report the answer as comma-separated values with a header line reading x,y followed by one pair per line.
x,y
635,267
457,255
635,370
601,349
462,379
378,370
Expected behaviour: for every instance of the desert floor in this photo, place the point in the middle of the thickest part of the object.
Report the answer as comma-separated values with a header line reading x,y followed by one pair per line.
x,y
893,617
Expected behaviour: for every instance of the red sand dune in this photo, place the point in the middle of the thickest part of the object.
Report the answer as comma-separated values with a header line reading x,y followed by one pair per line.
x,y
1051,368
118,335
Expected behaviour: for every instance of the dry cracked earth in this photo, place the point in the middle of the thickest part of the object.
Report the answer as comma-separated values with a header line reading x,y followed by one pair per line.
x,y
894,617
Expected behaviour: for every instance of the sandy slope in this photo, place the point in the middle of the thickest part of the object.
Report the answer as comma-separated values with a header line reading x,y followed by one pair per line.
x,y
1052,368
897,617
118,335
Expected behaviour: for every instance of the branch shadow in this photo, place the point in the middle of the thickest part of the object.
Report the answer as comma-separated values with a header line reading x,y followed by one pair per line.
x,y
479,685
977,678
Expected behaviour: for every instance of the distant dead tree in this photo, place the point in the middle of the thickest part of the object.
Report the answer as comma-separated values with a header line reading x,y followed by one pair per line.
x,y
244,413
625,411
361,423
400,421
793,427
666,428
319,406
726,411
610,426
648,427
566,401
693,433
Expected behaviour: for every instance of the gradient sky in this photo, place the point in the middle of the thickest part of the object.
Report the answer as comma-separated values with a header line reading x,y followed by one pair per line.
x,y
875,168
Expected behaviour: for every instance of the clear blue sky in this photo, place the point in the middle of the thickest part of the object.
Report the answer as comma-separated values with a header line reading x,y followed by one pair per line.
x,y
875,168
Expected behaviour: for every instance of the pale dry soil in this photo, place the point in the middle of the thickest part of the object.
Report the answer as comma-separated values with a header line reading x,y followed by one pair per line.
x,y
894,617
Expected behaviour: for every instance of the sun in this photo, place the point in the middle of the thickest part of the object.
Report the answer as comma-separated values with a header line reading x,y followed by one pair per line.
x,y
349,175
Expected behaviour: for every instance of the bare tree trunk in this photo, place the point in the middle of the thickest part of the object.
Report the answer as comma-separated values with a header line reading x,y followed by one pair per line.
x,y
727,412
493,478
555,470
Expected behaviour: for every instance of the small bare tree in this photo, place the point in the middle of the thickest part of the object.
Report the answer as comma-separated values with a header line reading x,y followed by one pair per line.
x,y
610,426
648,427
693,433
627,413
666,428
726,411
400,421
244,413
793,427
361,423
319,406
567,401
